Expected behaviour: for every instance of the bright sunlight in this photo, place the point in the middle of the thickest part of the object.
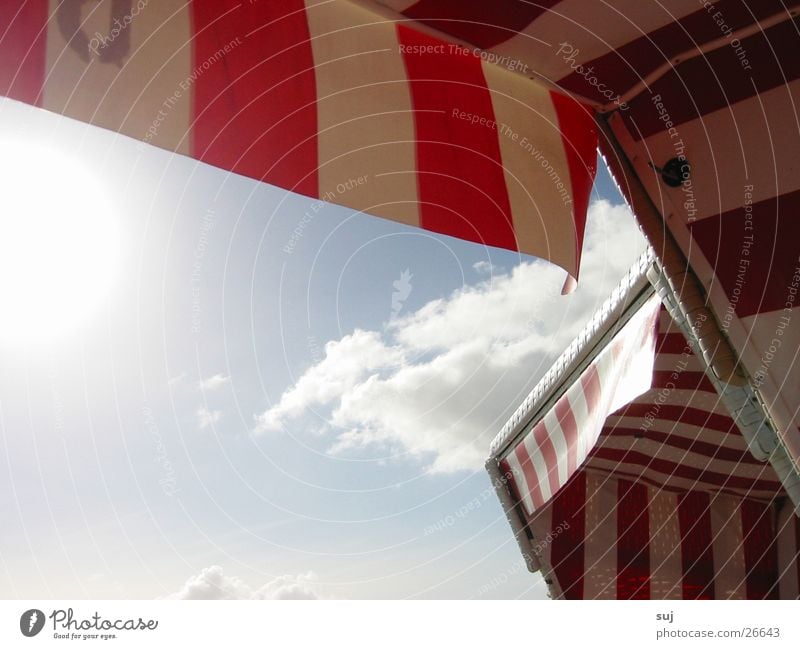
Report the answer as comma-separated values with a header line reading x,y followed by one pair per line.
x,y
58,243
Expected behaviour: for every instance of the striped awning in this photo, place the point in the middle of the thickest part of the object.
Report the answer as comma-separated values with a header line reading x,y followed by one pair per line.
x,y
558,443
340,100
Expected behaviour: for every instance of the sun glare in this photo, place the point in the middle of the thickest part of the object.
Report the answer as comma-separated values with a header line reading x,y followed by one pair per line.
x,y
58,243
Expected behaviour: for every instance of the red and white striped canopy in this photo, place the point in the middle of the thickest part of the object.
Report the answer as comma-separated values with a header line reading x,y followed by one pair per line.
x,y
341,100
476,119
649,491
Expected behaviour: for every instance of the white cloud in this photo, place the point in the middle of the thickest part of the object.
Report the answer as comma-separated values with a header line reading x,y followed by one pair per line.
x,y
346,364
289,587
212,583
206,417
438,383
484,267
213,382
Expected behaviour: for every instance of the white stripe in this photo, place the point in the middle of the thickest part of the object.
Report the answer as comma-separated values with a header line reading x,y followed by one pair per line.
x,y
666,569
671,481
600,544
731,441
708,401
728,549
679,363
559,442
608,27
364,111
539,466
699,461
583,419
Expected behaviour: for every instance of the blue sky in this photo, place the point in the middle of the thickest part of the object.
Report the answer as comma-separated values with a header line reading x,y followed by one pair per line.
x,y
253,412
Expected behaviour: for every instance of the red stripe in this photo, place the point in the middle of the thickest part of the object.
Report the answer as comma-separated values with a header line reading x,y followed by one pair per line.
x,y
480,23
617,474
697,556
635,458
717,80
23,49
673,343
541,437
682,415
760,550
674,440
510,482
579,137
569,426
633,541
567,553
529,472
462,187
622,68
254,109
764,281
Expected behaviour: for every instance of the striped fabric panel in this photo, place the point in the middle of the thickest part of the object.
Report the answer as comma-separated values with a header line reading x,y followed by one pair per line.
x,y
340,100
628,41
678,435
551,451
624,67
669,503
675,508
527,37
762,279
626,540
722,77
734,220
554,152
729,178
